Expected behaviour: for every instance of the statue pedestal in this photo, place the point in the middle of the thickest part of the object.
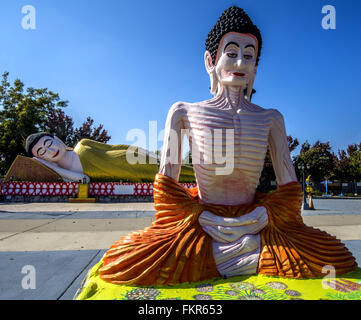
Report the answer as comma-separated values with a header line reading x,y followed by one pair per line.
x,y
254,287
83,193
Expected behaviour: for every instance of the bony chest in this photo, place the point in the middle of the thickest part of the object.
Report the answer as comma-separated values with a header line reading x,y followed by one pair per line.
x,y
217,123
251,125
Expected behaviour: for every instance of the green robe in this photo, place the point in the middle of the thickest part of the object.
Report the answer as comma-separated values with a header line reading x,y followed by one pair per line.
x,y
105,162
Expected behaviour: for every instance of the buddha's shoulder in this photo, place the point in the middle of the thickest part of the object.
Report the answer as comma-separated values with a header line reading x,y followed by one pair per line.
x,y
272,113
182,108
88,143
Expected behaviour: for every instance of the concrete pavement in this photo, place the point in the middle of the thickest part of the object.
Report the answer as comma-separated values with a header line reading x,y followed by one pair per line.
x,y
62,240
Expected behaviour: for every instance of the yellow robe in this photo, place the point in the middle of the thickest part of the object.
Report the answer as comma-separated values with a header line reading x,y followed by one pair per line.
x,y
105,162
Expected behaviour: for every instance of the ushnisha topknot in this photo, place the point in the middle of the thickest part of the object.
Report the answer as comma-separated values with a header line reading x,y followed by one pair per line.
x,y
234,19
33,139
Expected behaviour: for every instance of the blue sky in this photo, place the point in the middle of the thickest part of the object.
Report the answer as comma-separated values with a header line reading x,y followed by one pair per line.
x,y
124,63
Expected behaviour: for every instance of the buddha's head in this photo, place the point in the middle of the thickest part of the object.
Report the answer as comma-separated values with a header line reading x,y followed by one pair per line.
x,y
45,146
233,48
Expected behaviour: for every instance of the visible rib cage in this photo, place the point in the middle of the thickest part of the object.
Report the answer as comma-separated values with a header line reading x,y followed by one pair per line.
x,y
207,123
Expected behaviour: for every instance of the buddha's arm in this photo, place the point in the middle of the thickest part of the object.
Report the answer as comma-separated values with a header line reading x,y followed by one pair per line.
x,y
280,154
171,159
66,174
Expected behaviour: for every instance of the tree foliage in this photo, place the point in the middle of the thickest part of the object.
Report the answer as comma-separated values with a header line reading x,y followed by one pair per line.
x,y
347,166
318,161
26,111
22,112
87,130
61,125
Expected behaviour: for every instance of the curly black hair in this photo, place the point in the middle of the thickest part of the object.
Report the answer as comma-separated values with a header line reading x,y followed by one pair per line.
x,y
233,19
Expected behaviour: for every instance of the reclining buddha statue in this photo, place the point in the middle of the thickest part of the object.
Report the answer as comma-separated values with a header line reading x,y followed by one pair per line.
x,y
225,227
95,161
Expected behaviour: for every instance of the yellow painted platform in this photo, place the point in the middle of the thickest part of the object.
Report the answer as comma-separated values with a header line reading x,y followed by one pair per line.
x,y
255,287
83,192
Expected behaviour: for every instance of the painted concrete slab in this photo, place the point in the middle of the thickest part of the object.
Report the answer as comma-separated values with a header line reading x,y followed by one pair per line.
x,y
58,241
343,232
33,215
54,273
67,234
71,291
15,226
76,225
332,220
72,207
334,206
355,247
79,215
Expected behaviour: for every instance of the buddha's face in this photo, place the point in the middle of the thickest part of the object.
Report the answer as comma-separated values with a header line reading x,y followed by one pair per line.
x,y
236,59
49,149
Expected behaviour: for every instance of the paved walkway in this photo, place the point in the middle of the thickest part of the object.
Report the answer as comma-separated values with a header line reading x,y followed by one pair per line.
x,y
62,240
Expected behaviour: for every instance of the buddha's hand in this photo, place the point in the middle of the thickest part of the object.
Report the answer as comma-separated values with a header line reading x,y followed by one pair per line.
x,y
227,230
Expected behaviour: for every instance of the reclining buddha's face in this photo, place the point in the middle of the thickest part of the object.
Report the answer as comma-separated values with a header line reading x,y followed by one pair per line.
x,y
49,149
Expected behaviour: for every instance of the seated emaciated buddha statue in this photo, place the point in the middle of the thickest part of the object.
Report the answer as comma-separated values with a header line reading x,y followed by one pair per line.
x,y
224,227
95,161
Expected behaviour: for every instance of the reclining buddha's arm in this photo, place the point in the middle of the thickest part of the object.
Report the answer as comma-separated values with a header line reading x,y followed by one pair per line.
x,y
67,175
171,159
280,154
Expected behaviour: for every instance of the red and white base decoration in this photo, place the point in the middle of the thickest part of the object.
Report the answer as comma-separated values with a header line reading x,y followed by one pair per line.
x,y
71,188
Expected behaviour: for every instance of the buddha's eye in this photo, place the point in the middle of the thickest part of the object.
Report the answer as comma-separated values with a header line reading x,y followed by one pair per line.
x,y
232,54
50,143
41,152
248,56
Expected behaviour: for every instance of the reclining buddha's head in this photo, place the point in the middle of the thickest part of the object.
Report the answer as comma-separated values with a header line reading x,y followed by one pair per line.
x,y
233,48
45,146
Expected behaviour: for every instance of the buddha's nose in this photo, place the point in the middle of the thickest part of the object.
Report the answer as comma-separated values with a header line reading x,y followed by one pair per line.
x,y
239,62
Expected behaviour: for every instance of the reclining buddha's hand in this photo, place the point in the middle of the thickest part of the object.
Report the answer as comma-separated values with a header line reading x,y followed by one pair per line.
x,y
227,230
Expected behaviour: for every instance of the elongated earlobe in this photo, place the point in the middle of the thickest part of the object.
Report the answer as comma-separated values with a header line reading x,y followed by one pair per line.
x,y
214,82
211,70
250,87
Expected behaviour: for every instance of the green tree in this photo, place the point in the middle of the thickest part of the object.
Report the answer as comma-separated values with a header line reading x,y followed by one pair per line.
x,y
88,131
318,161
355,164
22,112
61,125
348,164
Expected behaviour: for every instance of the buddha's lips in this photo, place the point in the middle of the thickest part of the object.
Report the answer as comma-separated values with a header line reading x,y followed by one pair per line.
x,y
56,154
238,74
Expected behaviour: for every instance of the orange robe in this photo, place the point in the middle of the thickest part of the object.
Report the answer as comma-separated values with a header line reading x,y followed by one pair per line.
x,y
175,249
